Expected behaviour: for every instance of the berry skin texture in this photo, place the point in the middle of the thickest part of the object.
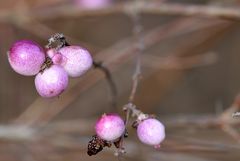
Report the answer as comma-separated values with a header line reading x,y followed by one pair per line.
x,y
151,132
51,52
77,60
26,57
110,127
56,57
52,82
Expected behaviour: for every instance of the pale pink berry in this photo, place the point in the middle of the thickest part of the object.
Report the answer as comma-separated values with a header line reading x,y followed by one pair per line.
x,y
51,82
110,127
77,60
26,57
92,4
51,52
151,132
56,57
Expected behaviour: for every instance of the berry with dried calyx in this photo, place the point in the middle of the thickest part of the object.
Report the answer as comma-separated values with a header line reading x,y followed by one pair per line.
x,y
110,127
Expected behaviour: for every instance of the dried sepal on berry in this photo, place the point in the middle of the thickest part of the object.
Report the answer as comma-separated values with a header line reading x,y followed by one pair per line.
x,y
96,145
58,40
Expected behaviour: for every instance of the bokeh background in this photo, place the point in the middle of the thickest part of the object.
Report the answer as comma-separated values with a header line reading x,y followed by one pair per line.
x,y
190,80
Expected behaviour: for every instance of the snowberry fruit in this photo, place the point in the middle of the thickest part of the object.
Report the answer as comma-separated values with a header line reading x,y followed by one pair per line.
x,y
52,81
151,132
77,60
110,127
56,57
26,57
51,52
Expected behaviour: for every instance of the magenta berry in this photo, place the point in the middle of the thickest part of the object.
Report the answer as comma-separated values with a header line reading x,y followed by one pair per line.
x,y
26,57
110,127
77,60
151,132
59,59
56,57
51,82
51,52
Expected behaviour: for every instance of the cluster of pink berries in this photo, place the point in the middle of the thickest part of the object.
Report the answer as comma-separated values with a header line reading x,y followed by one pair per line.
x,y
110,128
51,66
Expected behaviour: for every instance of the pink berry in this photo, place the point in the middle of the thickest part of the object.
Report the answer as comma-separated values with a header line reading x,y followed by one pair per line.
x,y
151,132
110,127
51,52
52,82
92,4
26,57
58,59
78,60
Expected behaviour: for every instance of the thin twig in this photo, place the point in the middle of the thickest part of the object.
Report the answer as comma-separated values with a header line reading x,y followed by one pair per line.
x,y
110,81
139,39
137,30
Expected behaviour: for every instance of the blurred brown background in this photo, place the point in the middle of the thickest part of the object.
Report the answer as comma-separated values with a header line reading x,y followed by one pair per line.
x,y
190,74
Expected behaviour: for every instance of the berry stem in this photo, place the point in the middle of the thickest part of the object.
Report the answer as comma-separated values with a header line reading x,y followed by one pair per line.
x,y
112,85
137,32
130,108
47,64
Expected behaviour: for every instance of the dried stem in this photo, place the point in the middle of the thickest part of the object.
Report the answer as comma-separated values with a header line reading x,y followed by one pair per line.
x,y
139,39
139,42
110,81
137,30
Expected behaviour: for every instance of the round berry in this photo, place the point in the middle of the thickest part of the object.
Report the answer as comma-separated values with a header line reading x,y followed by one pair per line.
x,y
110,127
78,60
51,52
151,132
51,82
58,59
26,57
